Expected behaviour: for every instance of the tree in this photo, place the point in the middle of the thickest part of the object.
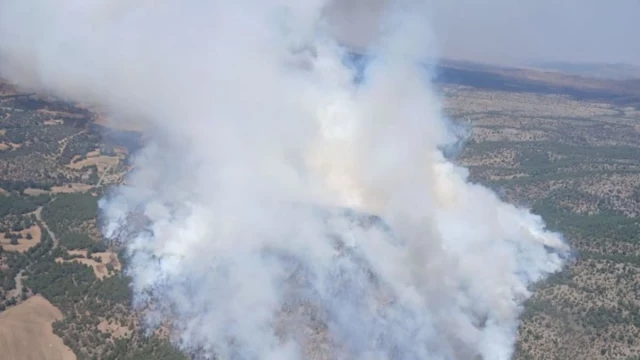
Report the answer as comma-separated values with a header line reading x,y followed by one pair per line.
x,y
29,236
14,240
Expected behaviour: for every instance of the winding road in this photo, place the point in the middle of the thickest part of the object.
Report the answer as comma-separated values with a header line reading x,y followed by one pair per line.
x,y
38,213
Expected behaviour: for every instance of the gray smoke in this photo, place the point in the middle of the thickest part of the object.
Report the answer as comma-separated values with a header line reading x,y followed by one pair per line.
x,y
278,210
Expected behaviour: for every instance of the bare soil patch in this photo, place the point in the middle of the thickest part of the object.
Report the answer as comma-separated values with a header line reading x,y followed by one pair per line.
x,y
26,332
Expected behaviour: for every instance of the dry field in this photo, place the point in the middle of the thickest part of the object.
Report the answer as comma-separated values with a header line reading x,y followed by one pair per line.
x,y
71,188
115,328
99,267
26,332
23,243
105,120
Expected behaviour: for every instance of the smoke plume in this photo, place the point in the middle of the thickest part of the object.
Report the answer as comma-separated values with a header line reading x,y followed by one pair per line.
x,y
281,210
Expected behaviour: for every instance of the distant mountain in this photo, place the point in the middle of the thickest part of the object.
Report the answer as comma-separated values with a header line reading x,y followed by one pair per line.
x,y
624,92
595,70
582,84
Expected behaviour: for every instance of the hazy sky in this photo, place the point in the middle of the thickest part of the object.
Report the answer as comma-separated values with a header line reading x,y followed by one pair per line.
x,y
507,30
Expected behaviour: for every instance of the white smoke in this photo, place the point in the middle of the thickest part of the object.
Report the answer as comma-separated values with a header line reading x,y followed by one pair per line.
x,y
246,217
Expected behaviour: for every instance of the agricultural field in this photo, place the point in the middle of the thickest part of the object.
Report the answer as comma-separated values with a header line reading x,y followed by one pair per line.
x,y
567,147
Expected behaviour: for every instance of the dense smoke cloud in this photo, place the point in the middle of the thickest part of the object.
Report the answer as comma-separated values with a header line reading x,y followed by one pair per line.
x,y
279,209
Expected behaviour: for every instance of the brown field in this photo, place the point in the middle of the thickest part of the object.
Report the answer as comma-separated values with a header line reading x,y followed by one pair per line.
x,y
116,329
99,268
65,189
100,161
70,188
26,332
9,146
117,124
35,192
23,244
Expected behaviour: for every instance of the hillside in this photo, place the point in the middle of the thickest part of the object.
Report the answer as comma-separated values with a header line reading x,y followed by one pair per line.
x,y
26,332
58,276
595,70
566,145
575,159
